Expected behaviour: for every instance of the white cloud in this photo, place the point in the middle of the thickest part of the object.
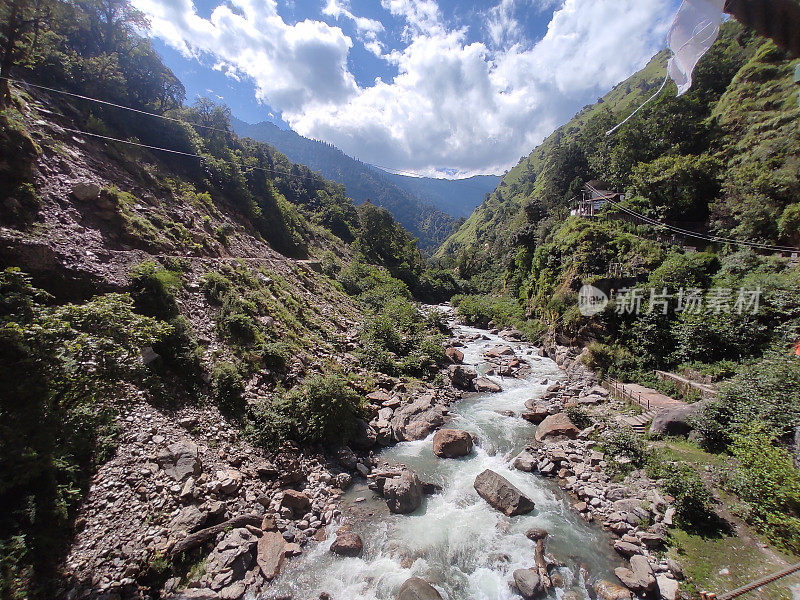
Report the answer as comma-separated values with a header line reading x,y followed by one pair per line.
x,y
478,108
471,106
368,29
502,27
294,67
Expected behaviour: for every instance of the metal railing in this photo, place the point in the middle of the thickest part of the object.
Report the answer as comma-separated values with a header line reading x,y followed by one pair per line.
x,y
620,392
751,586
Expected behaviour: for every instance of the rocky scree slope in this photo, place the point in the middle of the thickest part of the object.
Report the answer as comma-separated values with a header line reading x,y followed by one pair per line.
x,y
187,494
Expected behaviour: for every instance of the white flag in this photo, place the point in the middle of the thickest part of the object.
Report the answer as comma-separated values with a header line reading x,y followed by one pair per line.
x,y
693,31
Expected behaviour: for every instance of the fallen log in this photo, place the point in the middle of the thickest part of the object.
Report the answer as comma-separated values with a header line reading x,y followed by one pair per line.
x,y
200,537
541,565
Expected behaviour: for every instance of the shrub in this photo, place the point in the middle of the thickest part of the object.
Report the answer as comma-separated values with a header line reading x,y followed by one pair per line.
x,y
153,289
240,327
578,416
180,351
693,508
624,442
766,480
215,285
227,386
61,371
322,409
767,391
479,310
275,355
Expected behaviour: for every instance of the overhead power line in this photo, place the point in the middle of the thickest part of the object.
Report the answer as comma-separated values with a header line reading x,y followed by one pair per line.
x,y
182,121
688,233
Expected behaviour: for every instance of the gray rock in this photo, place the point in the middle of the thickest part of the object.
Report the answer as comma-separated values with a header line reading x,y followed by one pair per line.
x,y
676,421
527,582
556,426
85,191
271,546
461,376
486,385
347,543
452,443
417,589
190,519
403,493
667,588
607,590
640,577
501,494
525,461
299,502
180,460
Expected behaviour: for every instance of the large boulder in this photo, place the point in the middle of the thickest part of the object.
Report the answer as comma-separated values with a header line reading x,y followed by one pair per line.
x,y
676,421
667,587
270,552
484,384
404,492
365,437
557,425
498,351
86,191
607,590
461,376
417,420
297,501
180,460
417,589
452,443
189,520
347,543
525,461
527,583
639,578
501,494
455,355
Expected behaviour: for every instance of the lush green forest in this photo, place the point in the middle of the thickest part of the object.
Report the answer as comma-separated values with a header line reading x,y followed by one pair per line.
x,y
362,182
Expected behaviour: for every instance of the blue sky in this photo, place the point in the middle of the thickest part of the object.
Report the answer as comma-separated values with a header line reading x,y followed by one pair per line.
x,y
430,86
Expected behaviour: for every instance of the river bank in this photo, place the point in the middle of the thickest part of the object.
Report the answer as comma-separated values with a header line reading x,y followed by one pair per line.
x,y
455,540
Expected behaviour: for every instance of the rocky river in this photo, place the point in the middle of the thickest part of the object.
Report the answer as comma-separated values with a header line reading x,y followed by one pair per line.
x,y
455,540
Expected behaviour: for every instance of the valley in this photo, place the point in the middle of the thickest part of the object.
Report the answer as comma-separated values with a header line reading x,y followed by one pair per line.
x,y
237,363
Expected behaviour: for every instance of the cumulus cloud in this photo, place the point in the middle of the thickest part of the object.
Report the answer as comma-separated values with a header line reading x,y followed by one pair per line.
x,y
368,29
455,103
478,108
294,67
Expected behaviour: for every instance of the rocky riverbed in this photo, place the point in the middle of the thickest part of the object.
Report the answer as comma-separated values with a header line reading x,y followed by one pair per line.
x,y
447,508
411,507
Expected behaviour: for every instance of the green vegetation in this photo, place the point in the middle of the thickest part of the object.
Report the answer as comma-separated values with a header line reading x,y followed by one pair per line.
x,y
768,484
396,337
322,409
62,368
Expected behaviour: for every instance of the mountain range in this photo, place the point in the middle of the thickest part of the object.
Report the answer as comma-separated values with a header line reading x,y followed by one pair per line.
x,y
428,208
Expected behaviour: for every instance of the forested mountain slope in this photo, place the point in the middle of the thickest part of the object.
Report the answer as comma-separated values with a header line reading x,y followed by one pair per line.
x,y
362,182
721,162
456,197
737,124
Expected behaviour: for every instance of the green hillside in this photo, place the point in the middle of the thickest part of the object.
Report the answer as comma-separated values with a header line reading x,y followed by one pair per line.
x,y
739,112
420,216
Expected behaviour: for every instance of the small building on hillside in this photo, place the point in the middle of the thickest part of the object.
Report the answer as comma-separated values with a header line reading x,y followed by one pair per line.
x,y
594,197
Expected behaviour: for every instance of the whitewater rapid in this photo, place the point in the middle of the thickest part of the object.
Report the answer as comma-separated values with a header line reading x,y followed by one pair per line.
x,y
455,540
